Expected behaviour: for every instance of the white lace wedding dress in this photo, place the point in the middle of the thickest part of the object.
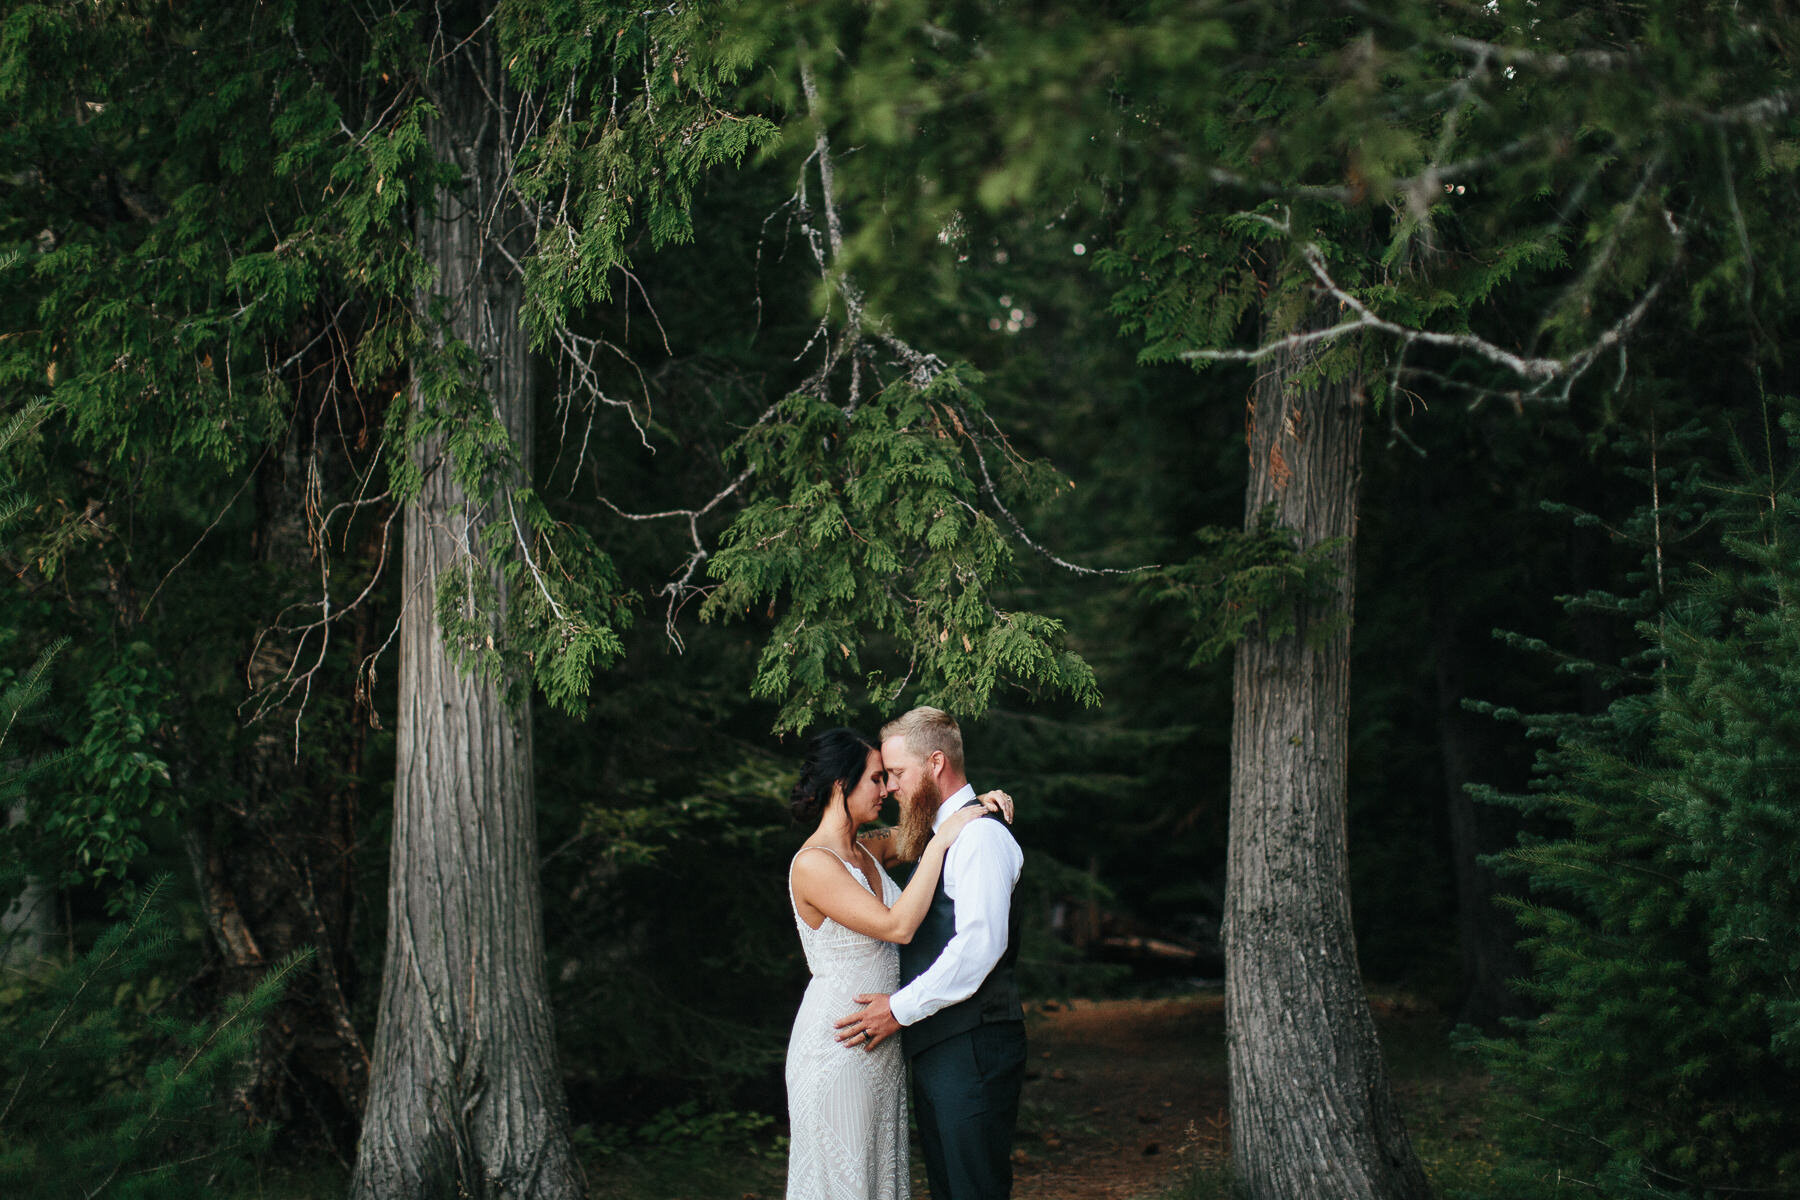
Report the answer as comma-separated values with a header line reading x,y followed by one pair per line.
x,y
846,1107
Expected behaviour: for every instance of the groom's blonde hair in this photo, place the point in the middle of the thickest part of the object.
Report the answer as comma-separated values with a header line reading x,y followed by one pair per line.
x,y
925,729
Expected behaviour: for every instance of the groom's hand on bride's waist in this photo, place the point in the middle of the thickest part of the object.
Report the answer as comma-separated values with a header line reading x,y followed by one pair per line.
x,y
872,1026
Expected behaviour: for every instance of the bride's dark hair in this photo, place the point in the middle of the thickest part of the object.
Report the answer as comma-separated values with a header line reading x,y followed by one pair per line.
x,y
835,756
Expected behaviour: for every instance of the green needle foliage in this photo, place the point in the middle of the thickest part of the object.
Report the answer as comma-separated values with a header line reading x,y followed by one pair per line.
x,y
118,785
872,533
1667,1058
244,276
103,1091
22,693
1250,582
108,1095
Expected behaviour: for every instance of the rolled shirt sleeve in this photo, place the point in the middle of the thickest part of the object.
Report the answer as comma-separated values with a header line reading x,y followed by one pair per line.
x,y
979,873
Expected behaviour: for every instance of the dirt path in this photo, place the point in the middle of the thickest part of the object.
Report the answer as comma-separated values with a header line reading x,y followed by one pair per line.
x,y
1121,1097
1120,1094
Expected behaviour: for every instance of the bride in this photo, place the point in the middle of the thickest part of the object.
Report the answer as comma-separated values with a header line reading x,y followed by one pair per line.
x,y
847,1107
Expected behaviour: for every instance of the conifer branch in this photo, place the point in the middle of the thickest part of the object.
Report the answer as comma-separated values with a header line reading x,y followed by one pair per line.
x,y
531,566
296,679
1338,193
863,344
834,226
1549,62
921,367
1538,370
832,268
1426,182
246,1006
112,947
1742,230
1580,293
578,355
827,250
278,692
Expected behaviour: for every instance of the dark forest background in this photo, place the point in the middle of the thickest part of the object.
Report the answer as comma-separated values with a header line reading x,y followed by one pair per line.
x,y
1568,820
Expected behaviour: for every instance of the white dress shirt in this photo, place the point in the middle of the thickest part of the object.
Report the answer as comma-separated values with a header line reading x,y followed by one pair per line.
x,y
979,874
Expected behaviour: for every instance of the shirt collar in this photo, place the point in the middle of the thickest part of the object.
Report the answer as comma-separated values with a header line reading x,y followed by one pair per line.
x,y
956,800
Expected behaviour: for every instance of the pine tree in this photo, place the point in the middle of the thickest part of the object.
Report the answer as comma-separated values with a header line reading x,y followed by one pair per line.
x,y
1666,1061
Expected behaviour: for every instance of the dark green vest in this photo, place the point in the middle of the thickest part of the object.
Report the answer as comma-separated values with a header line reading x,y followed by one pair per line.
x,y
997,999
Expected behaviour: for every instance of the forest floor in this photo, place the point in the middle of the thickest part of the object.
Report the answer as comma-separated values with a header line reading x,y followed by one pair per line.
x,y
1125,1100
1119,1095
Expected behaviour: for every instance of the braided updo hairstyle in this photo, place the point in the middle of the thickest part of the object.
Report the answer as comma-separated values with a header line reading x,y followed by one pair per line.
x,y
835,756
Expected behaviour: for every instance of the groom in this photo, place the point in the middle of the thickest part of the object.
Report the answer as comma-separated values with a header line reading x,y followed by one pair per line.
x,y
958,1010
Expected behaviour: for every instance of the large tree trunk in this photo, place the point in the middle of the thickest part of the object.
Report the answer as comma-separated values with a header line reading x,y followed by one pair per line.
x,y
465,1097
1312,1114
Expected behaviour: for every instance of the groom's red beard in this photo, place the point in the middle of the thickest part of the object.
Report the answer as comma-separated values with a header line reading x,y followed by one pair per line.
x,y
916,816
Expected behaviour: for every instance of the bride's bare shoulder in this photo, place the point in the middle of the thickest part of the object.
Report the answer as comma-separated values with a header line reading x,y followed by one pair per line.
x,y
814,862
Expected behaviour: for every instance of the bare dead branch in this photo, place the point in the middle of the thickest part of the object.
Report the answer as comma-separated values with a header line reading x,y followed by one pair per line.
x,y
531,566
1018,527
680,589
1540,371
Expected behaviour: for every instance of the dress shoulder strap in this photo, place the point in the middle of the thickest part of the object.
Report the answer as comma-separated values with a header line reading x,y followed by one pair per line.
x,y
826,849
856,873
847,864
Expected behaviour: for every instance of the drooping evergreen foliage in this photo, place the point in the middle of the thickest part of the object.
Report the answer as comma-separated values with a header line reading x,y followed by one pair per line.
x,y
23,690
899,548
1666,1061
211,272
207,264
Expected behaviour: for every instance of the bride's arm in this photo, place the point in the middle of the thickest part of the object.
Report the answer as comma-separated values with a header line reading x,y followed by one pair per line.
x,y
882,844
824,884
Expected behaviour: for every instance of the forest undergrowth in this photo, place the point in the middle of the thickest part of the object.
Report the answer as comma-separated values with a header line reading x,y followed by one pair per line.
x,y
1125,1099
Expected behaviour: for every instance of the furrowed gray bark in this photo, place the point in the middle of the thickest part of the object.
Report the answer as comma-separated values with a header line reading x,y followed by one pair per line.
x,y
1312,1114
465,1096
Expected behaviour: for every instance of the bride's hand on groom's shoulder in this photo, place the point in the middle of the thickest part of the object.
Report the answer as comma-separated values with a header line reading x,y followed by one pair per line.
x,y
990,802
998,802
958,821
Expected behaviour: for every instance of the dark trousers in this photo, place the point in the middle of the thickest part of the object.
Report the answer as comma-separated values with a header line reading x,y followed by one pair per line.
x,y
966,1099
